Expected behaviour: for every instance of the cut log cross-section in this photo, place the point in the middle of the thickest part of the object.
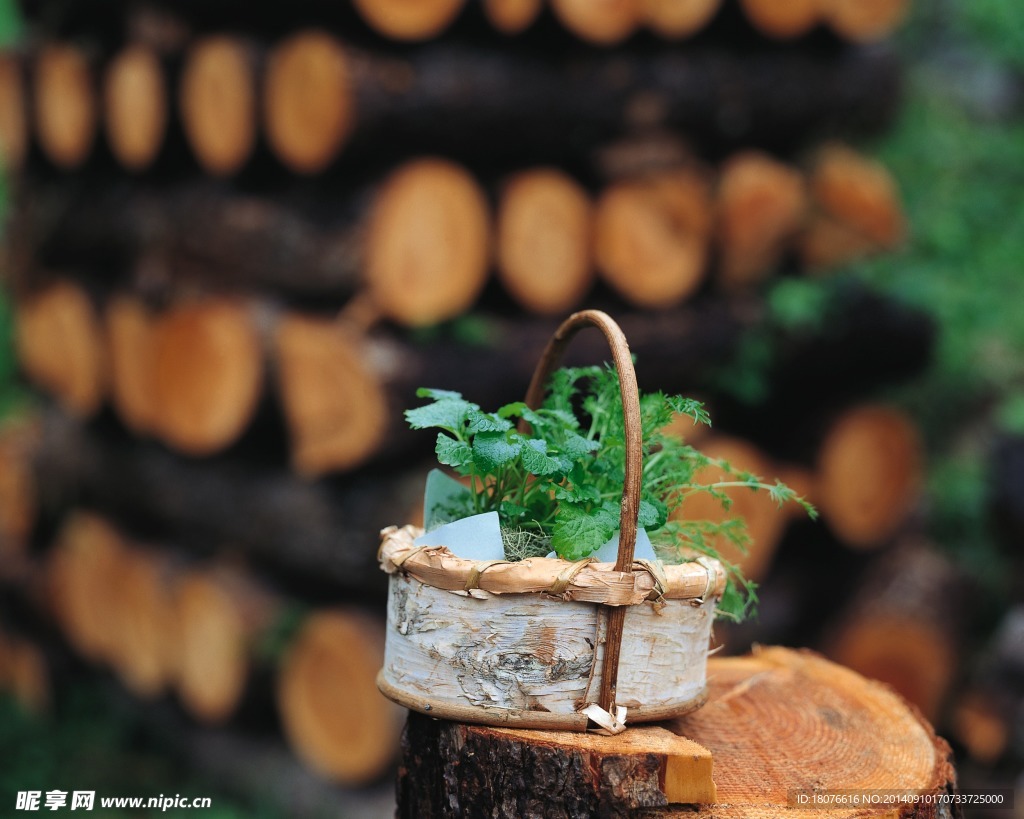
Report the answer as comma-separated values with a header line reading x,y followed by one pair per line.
x,y
602,22
217,98
856,209
428,243
409,19
864,20
208,373
220,614
761,205
783,19
135,106
13,117
147,656
60,346
676,19
869,474
308,102
130,333
333,714
82,581
512,16
25,673
778,726
652,236
66,110
905,625
544,241
336,409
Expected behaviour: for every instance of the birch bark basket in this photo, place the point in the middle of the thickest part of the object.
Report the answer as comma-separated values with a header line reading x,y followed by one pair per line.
x,y
544,642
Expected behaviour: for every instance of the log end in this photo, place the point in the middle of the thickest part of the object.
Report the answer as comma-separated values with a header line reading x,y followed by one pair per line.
x,y
217,100
213,662
208,374
761,205
428,243
512,16
865,20
60,346
869,474
409,21
652,236
333,714
130,334
783,21
601,22
135,106
65,104
544,241
674,20
335,408
308,102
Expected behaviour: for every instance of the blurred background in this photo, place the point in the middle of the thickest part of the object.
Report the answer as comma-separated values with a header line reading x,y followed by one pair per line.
x,y
238,236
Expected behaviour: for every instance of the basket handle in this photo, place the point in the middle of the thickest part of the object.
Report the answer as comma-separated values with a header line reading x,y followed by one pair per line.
x,y
630,506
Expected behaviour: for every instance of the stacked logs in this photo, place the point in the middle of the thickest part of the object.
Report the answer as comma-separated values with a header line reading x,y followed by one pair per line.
x,y
313,102
237,250
210,632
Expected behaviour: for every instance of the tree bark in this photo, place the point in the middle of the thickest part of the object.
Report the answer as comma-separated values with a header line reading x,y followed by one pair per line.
x,y
14,127
452,770
322,536
776,100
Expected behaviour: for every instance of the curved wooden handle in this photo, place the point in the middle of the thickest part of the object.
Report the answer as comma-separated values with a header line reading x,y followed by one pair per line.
x,y
630,507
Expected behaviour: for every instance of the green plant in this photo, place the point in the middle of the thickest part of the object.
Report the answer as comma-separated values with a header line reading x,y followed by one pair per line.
x,y
556,480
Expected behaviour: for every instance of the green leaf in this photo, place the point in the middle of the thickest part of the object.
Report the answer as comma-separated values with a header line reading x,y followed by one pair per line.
x,y
493,450
576,446
452,452
428,392
578,533
650,517
447,413
486,422
513,410
538,462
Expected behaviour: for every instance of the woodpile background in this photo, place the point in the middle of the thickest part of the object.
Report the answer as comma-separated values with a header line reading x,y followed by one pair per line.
x,y
240,238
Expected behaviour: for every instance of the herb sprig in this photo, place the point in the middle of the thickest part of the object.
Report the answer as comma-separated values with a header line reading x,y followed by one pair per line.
x,y
558,486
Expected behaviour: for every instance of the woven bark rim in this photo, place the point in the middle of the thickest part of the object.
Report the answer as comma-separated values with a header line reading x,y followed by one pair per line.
x,y
590,583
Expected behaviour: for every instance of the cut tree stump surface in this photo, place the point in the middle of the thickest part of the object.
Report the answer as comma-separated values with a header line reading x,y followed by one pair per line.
x,y
776,722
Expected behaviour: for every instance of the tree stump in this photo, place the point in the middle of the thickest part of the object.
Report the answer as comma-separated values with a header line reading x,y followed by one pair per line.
x,y
776,723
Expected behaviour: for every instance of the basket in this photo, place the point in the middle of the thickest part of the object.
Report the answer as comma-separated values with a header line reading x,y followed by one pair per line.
x,y
549,643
